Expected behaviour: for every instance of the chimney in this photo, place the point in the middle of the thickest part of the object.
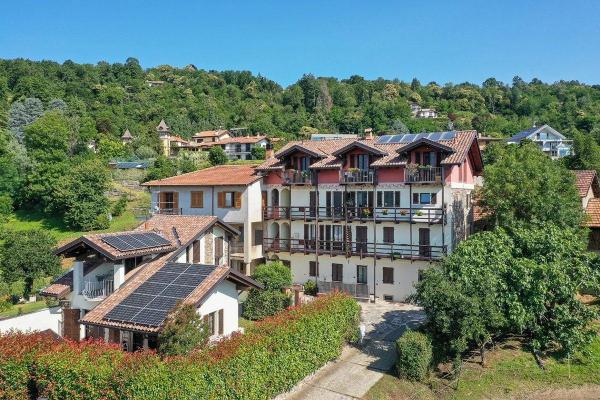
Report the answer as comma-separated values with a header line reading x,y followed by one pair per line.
x,y
270,153
369,133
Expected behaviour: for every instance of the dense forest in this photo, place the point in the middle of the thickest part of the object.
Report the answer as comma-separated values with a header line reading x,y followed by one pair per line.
x,y
51,112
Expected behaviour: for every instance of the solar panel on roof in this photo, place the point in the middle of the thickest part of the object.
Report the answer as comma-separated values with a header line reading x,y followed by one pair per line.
x,y
151,302
135,241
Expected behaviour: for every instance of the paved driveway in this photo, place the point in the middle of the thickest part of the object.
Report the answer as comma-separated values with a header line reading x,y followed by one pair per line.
x,y
359,368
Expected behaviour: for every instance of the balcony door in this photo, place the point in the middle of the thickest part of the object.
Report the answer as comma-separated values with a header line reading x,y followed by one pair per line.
x,y
361,239
424,242
312,200
334,204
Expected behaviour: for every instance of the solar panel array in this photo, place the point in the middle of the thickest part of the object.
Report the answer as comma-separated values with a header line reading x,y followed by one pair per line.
x,y
411,137
152,301
135,241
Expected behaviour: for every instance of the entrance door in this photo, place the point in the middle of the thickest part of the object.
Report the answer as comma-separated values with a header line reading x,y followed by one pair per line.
x,y
361,239
424,242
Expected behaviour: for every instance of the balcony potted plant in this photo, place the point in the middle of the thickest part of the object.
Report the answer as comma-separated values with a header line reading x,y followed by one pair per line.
x,y
403,212
385,211
366,212
412,170
419,213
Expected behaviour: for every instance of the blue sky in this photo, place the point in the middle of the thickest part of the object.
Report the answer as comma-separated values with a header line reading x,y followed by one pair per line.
x,y
445,41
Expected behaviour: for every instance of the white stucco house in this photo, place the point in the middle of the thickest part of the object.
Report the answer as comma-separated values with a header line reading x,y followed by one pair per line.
x,y
550,141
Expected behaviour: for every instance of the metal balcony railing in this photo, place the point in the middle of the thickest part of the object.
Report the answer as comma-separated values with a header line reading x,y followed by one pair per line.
x,y
93,290
358,176
358,290
292,177
422,174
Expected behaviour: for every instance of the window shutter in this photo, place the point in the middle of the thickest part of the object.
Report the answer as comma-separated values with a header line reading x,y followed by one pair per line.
x,y
415,198
397,199
196,252
312,268
388,275
221,199
379,199
220,321
238,199
197,200
162,199
176,201
433,198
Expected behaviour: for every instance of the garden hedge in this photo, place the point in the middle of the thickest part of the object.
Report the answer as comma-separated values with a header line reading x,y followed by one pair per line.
x,y
270,358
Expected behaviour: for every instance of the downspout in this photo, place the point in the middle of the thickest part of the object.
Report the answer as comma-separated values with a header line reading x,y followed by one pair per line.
x,y
212,201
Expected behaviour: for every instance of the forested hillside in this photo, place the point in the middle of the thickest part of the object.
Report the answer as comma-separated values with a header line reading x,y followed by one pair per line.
x,y
51,112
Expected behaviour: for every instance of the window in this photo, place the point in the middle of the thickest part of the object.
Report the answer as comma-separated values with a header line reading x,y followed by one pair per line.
x,y
424,198
361,274
258,237
312,268
229,200
388,275
238,148
168,200
388,297
388,235
218,250
360,161
197,200
214,322
388,199
337,273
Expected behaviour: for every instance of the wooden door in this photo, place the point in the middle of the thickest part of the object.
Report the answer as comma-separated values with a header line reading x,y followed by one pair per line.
x,y
196,252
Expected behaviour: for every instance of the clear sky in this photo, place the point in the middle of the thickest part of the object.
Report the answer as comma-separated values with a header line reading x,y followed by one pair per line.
x,y
441,40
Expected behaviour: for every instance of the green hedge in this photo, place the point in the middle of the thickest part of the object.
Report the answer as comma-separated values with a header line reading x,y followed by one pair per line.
x,y
270,358
414,355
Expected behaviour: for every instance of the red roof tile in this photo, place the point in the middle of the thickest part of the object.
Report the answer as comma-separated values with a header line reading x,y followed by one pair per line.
x,y
593,213
216,133
584,179
222,175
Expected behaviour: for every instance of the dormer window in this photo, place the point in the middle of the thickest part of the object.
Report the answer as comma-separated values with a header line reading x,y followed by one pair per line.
x,y
360,161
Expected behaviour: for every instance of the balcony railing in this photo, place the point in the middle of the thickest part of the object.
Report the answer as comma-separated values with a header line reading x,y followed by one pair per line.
x,y
360,249
95,290
397,214
358,176
169,210
358,290
236,248
276,212
292,177
423,174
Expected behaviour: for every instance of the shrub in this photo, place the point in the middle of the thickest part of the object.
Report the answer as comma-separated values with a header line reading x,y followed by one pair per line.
x,y
120,205
310,288
270,358
217,156
183,331
414,355
264,303
6,207
273,275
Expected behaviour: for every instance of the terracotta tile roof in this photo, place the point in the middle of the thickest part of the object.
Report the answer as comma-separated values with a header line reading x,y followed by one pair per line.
x,y
593,213
584,179
126,135
460,144
205,134
221,175
241,139
56,290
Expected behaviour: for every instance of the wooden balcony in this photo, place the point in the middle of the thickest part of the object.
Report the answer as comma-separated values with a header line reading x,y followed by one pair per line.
x,y
423,174
393,251
293,177
361,176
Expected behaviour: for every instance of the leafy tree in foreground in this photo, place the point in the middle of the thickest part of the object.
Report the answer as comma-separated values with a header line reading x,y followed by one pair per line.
x,y
183,332
28,255
526,185
217,156
521,280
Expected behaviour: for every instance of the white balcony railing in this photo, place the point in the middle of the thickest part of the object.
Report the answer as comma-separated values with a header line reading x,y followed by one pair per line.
x,y
93,290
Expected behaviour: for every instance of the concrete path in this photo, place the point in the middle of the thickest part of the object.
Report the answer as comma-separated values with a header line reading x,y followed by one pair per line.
x,y
359,368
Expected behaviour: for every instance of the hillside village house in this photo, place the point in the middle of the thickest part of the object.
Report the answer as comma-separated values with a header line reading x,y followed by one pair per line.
x,y
589,192
367,216
419,112
550,141
123,285
232,193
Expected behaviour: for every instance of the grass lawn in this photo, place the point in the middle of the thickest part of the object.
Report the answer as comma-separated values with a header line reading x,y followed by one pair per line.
x,y
24,309
510,373
23,220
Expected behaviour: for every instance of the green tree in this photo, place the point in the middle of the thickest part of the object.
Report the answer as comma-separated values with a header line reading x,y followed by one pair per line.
x,y
183,332
28,255
258,153
80,196
163,167
274,276
48,138
217,156
526,185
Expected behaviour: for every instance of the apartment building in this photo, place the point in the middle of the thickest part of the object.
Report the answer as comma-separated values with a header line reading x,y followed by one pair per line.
x,y
367,216
123,285
232,193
